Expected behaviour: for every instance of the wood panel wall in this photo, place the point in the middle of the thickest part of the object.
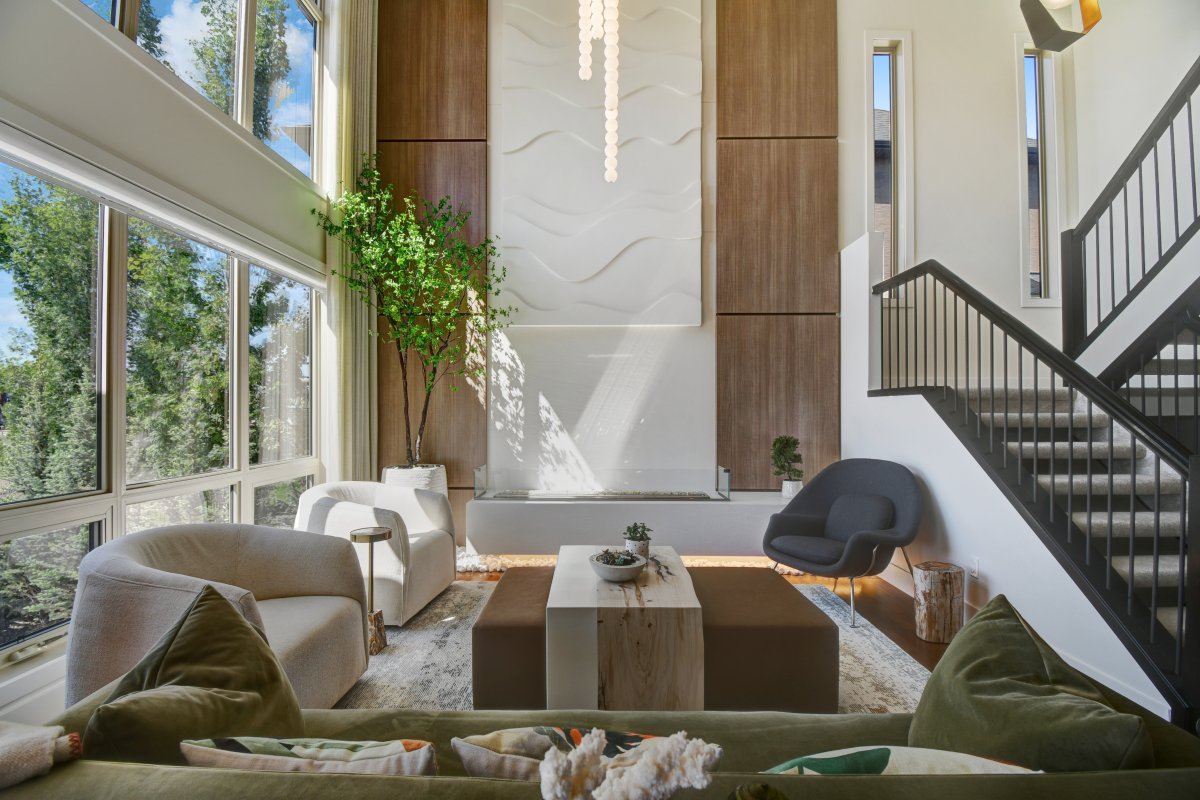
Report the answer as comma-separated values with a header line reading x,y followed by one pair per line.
x,y
432,132
778,348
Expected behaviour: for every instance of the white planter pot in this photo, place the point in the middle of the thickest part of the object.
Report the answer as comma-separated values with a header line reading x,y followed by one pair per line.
x,y
791,489
422,476
638,548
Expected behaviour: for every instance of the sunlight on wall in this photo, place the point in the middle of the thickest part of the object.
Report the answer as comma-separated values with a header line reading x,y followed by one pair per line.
x,y
507,408
561,466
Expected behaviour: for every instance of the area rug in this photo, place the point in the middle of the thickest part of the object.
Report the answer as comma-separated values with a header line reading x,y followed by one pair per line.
x,y
427,663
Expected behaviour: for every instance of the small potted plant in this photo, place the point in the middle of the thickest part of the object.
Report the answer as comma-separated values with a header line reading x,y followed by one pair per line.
x,y
637,539
785,455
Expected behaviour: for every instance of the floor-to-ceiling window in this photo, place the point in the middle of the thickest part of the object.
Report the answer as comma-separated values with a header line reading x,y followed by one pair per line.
x,y
144,381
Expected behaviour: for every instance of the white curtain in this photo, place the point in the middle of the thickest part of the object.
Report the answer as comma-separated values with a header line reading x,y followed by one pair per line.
x,y
350,318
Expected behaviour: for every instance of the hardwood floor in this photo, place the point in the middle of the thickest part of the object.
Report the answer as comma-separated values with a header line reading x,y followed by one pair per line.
x,y
888,609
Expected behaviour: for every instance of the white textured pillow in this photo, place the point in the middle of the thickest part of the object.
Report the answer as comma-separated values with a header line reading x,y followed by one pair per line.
x,y
399,757
894,761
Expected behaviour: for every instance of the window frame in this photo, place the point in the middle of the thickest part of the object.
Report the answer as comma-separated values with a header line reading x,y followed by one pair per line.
x,y
242,115
108,504
899,44
1052,168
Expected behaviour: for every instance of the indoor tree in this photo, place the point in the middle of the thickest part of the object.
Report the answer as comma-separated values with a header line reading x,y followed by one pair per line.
x,y
413,264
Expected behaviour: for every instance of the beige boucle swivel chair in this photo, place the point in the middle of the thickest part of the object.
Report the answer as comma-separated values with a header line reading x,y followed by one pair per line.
x,y
304,591
411,568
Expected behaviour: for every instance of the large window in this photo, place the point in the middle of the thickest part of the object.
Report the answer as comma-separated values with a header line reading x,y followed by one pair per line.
x,y
146,379
280,368
49,318
253,59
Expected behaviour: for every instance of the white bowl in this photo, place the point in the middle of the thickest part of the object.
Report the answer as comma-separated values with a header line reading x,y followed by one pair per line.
x,y
617,574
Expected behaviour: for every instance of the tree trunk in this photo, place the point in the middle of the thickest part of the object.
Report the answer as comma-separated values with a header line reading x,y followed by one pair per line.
x,y
408,437
424,415
938,593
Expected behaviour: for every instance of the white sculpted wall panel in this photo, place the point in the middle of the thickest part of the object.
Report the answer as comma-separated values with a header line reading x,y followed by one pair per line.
x,y
581,251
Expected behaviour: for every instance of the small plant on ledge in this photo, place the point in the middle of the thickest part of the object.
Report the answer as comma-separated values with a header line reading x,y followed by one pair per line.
x,y
637,538
785,455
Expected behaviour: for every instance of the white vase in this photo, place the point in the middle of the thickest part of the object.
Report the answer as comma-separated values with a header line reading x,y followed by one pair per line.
x,y
419,476
791,489
638,548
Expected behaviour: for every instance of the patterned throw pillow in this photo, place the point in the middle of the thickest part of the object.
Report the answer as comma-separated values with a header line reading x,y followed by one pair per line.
x,y
517,753
893,761
400,757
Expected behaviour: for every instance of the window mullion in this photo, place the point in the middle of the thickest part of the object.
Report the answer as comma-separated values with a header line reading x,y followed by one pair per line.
x,y
240,406
114,272
243,84
126,17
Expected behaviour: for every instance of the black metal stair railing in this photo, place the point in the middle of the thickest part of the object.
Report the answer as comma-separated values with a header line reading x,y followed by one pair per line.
x,y
1108,494
1159,373
1142,218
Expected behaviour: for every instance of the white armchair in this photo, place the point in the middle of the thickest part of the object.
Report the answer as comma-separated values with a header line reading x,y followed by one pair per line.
x,y
416,564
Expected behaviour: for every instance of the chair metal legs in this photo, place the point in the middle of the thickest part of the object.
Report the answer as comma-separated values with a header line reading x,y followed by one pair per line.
x,y
835,583
904,550
853,613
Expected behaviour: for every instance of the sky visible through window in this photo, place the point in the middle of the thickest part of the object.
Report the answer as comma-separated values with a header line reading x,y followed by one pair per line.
x,y
883,82
102,7
1031,97
12,321
195,40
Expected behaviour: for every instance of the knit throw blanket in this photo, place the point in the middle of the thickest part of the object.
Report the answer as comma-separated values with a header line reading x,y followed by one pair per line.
x,y
27,751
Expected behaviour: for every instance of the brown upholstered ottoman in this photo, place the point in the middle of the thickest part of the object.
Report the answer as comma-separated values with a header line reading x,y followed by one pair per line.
x,y
766,647
508,642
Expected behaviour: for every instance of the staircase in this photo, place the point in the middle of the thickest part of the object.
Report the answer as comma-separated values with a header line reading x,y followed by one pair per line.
x,y
1111,489
1105,487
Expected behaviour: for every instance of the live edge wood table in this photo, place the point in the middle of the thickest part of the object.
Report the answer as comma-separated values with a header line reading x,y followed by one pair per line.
x,y
635,645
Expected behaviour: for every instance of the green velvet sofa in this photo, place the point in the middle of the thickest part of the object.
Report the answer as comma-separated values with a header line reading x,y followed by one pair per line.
x,y
751,741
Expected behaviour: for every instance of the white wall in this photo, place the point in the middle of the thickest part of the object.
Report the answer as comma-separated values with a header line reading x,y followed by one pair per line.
x,y
966,138
966,515
1123,71
629,406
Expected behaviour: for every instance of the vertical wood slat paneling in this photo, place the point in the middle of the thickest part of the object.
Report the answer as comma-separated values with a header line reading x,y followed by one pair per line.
x,y
457,431
777,226
777,68
776,374
433,69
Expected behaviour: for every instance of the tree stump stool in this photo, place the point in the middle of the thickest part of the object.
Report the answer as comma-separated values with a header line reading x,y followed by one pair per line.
x,y
938,593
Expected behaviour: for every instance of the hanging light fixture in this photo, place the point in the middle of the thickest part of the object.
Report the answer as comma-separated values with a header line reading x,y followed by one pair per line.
x,y
600,20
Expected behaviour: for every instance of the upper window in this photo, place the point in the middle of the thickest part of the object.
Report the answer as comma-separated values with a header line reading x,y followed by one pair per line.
x,y
889,205
883,118
49,402
284,50
1039,176
1035,164
102,7
201,41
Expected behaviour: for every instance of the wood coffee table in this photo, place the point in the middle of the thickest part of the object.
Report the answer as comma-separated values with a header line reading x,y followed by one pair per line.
x,y
629,646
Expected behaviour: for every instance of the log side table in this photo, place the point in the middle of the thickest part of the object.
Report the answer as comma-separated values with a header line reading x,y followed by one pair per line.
x,y
938,595
376,633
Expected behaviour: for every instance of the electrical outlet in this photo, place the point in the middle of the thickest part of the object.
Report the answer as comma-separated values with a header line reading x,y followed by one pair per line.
x,y
974,566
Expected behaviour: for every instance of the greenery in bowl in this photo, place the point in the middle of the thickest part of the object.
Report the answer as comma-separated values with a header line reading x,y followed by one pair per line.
x,y
638,532
785,455
617,558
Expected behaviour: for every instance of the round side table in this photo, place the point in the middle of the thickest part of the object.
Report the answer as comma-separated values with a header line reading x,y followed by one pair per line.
x,y
376,633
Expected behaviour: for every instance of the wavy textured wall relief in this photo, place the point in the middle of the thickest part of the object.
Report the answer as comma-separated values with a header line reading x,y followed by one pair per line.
x,y
581,251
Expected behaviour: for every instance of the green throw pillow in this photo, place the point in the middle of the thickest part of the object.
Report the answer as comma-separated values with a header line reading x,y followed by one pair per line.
x,y
211,676
1001,692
